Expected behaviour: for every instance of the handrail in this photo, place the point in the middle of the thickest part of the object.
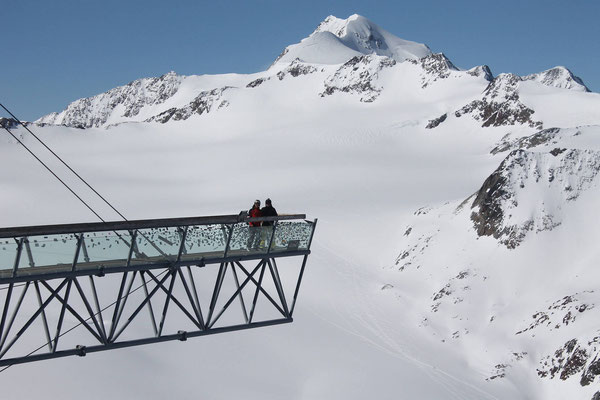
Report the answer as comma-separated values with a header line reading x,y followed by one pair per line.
x,y
136,224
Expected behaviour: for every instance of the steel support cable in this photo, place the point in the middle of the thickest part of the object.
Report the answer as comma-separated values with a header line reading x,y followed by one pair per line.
x,y
80,199
64,163
74,172
54,174
87,319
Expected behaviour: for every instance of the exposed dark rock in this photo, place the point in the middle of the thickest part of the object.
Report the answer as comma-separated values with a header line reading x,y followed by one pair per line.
x,y
537,139
572,358
296,69
256,82
489,200
358,75
499,113
435,122
559,77
462,275
539,319
500,369
445,291
422,211
95,111
324,26
482,70
453,287
499,373
567,174
9,123
283,53
436,66
203,103
561,313
500,105
574,363
591,371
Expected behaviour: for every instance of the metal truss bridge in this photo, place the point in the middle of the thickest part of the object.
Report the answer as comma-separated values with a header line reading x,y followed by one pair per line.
x,y
82,288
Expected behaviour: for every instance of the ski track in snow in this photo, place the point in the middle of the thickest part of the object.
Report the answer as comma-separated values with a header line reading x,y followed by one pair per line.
x,y
365,317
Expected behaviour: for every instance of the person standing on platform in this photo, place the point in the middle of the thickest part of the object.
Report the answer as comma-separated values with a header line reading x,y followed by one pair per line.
x,y
254,229
267,211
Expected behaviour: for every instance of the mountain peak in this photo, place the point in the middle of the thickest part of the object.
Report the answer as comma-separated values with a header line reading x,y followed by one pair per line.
x,y
559,77
337,40
338,26
333,24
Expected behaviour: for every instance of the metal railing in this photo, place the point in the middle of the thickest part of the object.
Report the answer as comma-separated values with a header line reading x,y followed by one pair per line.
x,y
28,253
49,274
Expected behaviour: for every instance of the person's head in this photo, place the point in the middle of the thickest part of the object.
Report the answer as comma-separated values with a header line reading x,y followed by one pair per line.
x,y
256,203
268,202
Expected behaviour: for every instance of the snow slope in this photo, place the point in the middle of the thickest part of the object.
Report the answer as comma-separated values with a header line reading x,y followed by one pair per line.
x,y
336,40
516,285
359,129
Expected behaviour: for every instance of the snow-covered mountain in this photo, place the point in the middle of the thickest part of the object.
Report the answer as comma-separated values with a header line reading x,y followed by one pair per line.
x,y
124,102
346,56
487,291
515,237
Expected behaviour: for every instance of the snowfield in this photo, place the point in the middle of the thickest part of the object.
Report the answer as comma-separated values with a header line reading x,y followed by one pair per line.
x,y
456,250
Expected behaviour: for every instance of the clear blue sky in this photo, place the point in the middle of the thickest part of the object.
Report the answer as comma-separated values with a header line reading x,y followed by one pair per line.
x,y
57,51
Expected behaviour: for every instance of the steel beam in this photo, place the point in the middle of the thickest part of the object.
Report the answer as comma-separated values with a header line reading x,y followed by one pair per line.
x,y
88,310
84,350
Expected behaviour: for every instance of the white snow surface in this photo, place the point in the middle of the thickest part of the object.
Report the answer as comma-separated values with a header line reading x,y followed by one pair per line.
x,y
440,322
336,40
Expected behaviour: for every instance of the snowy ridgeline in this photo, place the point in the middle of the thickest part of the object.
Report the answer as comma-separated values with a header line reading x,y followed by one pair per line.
x,y
525,235
342,56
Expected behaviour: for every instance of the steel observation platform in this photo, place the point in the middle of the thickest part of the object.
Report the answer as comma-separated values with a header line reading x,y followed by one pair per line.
x,y
98,277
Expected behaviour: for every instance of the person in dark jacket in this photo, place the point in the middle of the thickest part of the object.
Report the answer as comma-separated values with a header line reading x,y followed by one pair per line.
x,y
267,226
268,211
254,229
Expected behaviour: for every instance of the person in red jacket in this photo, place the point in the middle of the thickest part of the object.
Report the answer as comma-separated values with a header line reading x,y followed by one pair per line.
x,y
254,229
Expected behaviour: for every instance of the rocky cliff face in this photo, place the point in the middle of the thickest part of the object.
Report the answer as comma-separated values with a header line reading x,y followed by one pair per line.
x,y
203,103
295,69
358,75
543,137
435,66
527,191
126,101
545,310
575,359
500,105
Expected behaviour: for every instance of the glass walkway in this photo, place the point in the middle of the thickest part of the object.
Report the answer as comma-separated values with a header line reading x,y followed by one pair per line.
x,y
43,269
